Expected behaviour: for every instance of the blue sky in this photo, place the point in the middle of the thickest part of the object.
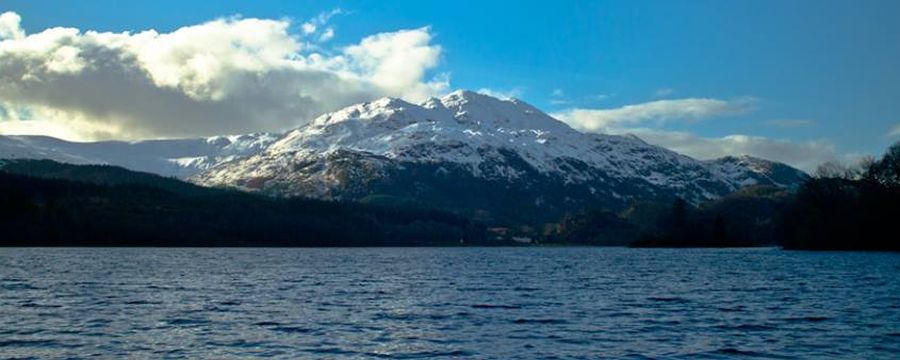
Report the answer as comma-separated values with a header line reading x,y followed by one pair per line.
x,y
822,74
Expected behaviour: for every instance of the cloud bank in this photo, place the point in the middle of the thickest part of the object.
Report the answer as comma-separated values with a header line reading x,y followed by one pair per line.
x,y
238,75
791,123
895,131
659,112
802,155
646,120
230,75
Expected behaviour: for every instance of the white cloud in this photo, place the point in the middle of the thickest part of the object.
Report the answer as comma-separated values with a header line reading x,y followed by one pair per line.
x,y
308,28
502,94
895,131
9,26
228,75
802,155
317,24
326,35
558,97
397,62
659,111
601,97
36,127
645,119
791,123
664,92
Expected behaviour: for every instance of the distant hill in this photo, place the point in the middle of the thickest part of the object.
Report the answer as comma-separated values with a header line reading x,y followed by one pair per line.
x,y
853,209
171,157
501,161
51,204
99,175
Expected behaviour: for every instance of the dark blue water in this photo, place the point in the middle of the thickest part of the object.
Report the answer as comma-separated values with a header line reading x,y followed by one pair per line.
x,y
480,303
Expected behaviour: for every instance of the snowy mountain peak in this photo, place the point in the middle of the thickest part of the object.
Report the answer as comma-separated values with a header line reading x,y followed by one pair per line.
x,y
452,128
503,141
747,170
455,112
476,108
370,110
463,150
754,164
433,103
463,95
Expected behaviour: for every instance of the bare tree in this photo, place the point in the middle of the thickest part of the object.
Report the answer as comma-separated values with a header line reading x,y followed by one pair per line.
x,y
886,171
834,169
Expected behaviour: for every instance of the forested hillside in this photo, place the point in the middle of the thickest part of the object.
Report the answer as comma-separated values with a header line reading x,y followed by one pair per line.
x,y
47,203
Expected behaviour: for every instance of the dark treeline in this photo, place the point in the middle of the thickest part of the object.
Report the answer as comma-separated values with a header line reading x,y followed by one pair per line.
x,y
841,208
747,218
45,203
50,204
592,227
847,209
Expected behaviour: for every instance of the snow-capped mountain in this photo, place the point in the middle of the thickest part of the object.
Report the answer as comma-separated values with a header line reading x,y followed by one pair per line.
x,y
177,158
747,170
483,155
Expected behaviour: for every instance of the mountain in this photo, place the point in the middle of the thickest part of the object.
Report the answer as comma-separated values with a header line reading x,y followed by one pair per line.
x,y
498,160
464,151
104,175
175,158
747,171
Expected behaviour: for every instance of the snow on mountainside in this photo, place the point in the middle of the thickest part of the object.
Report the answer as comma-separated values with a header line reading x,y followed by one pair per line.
x,y
178,158
464,151
747,170
393,147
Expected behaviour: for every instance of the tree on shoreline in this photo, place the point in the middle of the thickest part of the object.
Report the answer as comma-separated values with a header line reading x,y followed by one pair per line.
x,y
841,210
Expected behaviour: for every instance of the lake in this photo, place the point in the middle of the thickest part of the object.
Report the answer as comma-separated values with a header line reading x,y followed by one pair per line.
x,y
478,303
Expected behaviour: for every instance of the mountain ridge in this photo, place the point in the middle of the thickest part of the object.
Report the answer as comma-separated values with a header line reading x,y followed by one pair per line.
x,y
433,152
390,146
167,157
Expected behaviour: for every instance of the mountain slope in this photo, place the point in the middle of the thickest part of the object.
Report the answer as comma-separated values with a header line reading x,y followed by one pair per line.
x,y
498,159
104,175
45,203
178,158
747,171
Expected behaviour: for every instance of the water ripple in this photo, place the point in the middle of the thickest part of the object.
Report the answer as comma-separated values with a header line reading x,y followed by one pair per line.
x,y
480,303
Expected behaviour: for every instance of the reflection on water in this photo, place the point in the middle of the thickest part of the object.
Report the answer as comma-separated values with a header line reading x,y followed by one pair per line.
x,y
505,303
